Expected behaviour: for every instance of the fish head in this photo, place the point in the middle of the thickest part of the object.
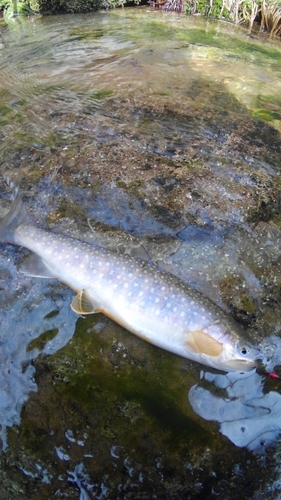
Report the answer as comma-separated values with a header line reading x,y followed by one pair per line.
x,y
221,346
239,356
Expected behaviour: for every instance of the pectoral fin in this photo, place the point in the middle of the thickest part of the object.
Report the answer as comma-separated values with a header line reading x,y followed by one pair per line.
x,y
201,342
33,265
82,304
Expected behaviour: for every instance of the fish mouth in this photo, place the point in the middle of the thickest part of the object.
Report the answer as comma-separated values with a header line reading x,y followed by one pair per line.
x,y
242,364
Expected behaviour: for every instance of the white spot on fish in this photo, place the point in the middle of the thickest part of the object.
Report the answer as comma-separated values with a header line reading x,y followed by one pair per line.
x,y
175,309
182,314
163,288
157,300
129,294
157,312
126,285
168,304
140,294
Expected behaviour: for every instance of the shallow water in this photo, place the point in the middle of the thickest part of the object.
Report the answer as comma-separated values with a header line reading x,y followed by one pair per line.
x,y
157,135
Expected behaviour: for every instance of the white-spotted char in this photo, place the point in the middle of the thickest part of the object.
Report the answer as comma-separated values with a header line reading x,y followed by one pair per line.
x,y
155,305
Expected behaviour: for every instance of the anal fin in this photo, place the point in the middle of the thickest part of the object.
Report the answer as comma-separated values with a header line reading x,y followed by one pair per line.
x,y
34,266
82,304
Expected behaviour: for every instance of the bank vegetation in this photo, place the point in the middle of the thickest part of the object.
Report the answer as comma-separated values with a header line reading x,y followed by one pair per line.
x,y
264,14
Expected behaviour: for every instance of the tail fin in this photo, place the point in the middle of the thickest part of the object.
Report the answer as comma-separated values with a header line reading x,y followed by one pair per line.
x,y
16,215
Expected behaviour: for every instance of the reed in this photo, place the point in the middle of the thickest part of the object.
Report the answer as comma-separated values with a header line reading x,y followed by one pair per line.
x,y
250,10
271,17
265,12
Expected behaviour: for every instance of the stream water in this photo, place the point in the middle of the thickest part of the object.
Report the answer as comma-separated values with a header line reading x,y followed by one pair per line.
x,y
157,135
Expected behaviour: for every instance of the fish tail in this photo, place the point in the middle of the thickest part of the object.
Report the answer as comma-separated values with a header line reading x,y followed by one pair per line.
x,y
16,215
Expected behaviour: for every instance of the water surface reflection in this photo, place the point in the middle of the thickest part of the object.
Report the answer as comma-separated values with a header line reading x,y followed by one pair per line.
x,y
248,417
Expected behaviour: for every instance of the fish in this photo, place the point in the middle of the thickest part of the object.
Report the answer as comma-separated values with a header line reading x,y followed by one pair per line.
x,y
153,304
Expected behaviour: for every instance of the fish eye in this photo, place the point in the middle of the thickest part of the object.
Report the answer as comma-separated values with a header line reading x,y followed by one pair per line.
x,y
244,348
